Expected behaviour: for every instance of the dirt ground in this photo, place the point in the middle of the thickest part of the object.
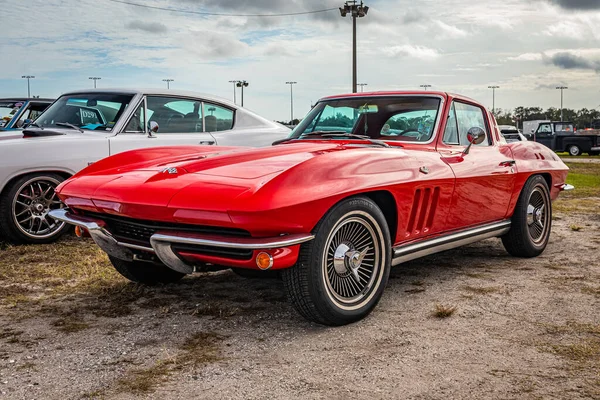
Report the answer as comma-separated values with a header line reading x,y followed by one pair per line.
x,y
468,323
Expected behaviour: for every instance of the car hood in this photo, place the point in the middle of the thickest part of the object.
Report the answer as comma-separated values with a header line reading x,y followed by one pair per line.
x,y
209,178
47,134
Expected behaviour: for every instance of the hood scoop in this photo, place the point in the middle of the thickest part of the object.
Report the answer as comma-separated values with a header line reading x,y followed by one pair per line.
x,y
41,133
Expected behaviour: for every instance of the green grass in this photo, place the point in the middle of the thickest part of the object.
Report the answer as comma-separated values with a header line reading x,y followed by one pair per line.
x,y
586,196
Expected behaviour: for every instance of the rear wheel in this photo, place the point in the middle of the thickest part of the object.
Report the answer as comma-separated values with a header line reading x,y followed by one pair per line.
x,y
531,221
146,273
574,150
340,276
24,208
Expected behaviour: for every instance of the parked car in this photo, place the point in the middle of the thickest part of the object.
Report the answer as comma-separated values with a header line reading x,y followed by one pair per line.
x,y
404,175
16,112
562,136
83,127
511,133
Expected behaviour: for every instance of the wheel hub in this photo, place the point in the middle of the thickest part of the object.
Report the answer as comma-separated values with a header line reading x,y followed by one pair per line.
x,y
347,261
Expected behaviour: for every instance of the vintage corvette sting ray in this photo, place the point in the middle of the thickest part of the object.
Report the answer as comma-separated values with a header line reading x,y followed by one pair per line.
x,y
364,182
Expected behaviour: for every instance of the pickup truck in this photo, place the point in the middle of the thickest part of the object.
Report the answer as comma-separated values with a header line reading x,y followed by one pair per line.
x,y
562,136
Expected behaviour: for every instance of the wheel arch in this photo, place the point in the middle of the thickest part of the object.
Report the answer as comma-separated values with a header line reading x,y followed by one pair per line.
x,y
64,173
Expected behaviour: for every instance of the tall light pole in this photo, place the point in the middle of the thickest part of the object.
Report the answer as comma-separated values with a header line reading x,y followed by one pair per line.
x,y
28,77
362,86
425,86
94,78
561,88
242,84
234,83
291,100
356,11
494,98
168,80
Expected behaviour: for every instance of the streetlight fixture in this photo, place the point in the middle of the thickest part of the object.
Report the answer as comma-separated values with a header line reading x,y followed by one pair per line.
x,y
94,78
561,88
362,86
28,77
356,11
291,101
234,83
425,86
242,84
168,80
494,98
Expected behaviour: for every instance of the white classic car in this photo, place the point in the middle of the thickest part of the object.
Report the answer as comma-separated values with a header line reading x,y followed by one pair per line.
x,y
85,126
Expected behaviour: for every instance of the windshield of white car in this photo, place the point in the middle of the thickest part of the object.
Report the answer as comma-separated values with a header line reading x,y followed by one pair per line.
x,y
7,112
88,111
389,118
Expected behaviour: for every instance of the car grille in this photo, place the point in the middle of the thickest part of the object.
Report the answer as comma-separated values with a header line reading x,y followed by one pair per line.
x,y
138,232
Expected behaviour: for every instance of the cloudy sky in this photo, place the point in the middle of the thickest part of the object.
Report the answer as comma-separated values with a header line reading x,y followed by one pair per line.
x,y
527,47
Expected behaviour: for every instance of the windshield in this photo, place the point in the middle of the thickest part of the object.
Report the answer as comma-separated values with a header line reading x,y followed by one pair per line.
x,y
94,111
407,119
7,112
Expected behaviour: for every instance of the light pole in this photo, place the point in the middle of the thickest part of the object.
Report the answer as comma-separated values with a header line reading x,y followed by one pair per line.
x,y
28,77
356,11
561,88
291,100
94,78
168,80
425,86
362,86
242,84
234,83
494,98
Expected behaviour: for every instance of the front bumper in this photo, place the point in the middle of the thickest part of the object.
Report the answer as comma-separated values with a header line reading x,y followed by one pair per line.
x,y
167,246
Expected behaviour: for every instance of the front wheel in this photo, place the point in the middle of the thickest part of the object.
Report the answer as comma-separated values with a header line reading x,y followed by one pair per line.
x,y
574,150
531,221
24,209
340,276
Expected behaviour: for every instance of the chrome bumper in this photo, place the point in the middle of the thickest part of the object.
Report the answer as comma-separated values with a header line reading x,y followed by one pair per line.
x,y
567,187
161,241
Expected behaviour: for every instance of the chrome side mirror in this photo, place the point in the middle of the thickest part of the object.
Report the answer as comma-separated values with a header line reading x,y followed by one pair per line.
x,y
475,135
152,128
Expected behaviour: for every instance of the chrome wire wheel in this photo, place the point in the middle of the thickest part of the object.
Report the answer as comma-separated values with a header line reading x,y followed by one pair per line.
x,y
30,207
538,221
352,261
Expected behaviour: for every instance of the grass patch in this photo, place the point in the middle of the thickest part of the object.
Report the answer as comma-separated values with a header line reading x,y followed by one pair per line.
x,y
442,311
576,228
70,324
583,351
585,178
482,289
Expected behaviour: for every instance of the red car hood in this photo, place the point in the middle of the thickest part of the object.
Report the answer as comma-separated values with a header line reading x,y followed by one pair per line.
x,y
197,178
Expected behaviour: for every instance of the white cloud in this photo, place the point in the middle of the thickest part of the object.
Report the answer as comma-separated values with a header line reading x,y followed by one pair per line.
x,y
449,31
407,50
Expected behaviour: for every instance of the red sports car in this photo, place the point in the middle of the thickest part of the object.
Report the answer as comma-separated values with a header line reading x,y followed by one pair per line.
x,y
364,182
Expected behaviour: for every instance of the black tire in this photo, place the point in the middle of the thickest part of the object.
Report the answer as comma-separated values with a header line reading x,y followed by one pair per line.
x,y
145,272
20,201
255,273
311,284
574,150
531,225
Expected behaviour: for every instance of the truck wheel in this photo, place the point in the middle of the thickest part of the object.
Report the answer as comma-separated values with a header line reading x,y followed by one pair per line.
x,y
342,273
531,221
145,272
574,150
24,208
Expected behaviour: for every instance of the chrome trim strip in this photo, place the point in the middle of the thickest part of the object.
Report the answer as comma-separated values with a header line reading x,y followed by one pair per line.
x,y
426,247
567,187
595,149
232,243
99,234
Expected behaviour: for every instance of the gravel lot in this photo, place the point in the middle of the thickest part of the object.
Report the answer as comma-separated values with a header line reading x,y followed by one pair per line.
x,y
522,328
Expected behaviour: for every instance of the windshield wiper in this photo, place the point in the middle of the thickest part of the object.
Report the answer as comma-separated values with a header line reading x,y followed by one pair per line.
x,y
35,125
69,125
355,136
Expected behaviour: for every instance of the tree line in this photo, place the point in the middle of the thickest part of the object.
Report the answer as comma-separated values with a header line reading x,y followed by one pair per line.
x,y
583,118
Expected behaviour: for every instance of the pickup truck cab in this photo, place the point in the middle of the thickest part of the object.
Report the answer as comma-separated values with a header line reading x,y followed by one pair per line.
x,y
562,136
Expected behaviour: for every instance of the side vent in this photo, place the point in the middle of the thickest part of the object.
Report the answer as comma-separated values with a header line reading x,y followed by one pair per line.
x,y
423,211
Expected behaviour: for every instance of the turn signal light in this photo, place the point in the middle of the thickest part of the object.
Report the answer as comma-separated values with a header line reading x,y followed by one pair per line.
x,y
264,260
81,232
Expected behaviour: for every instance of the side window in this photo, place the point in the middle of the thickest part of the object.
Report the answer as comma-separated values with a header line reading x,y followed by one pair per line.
x,y
217,118
545,129
175,115
467,117
451,131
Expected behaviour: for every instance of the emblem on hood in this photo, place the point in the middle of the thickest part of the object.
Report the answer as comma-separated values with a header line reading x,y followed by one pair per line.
x,y
171,171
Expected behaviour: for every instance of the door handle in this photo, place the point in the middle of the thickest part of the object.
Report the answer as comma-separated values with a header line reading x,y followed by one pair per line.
x,y
207,142
508,163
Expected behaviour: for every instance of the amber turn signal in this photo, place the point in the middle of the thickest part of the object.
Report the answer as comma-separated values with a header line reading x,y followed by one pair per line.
x,y
81,232
264,260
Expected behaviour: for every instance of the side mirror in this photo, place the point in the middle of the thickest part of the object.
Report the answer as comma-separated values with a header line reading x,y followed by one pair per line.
x,y
27,122
475,135
152,128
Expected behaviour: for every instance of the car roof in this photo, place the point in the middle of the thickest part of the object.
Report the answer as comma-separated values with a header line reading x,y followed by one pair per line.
x,y
156,92
400,93
23,99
